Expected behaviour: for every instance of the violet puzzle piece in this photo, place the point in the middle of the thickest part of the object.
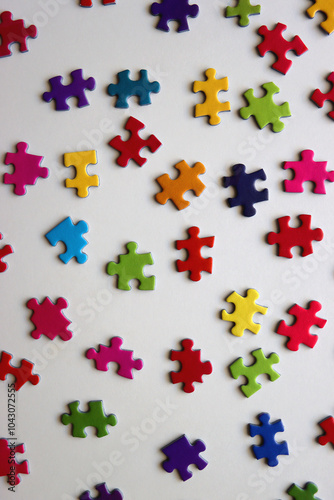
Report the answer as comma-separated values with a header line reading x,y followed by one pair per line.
x,y
104,493
60,92
181,453
71,235
174,10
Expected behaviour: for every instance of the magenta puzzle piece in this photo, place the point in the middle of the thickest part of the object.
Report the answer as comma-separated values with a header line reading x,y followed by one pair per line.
x,y
49,319
307,170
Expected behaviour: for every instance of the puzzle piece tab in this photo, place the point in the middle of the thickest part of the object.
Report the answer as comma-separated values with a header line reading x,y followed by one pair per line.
x,y
327,426
269,448
82,181
181,453
131,267
243,9
320,98
289,237
14,32
195,263
49,319
262,365
104,493
242,316
307,170
299,332
306,493
192,368
174,10
275,42
264,110
93,417
22,373
4,251
246,193
130,149
187,180
126,88
115,354
327,8
8,450
71,235
60,92
211,87
89,3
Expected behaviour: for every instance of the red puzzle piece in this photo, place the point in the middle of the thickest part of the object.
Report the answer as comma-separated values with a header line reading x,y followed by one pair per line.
x,y
22,373
327,426
195,263
131,148
48,319
192,368
319,98
289,237
299,331
14,32
275,43
8,449
307,170
6,250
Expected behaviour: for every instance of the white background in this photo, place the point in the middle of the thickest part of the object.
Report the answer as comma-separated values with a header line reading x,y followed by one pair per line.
x,y
151,411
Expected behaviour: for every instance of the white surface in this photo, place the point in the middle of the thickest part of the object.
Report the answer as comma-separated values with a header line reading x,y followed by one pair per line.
x,y
104,41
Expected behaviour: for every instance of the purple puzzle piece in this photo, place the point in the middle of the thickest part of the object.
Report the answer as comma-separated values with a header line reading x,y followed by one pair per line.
x,y
174,10
104,493
181,453
60,93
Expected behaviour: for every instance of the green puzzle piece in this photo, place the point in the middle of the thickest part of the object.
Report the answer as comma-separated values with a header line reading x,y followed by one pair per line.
x,y
93,417
130,267
242,10
304,494
264,109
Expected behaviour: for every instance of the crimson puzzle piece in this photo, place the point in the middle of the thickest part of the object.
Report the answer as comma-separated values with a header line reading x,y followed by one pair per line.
x,y
49,319
181,453
174,10
14,32
195,263
104,493
319,98
307,170
327,426
4,251
60,92
22,373
192,368
8,450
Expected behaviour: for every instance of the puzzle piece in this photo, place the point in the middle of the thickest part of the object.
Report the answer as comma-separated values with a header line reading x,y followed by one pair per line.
x,y
211,87
307,170
71,235
49,319
181,453
14,32
4,251
306,493
93,417
113,353
89,3
264,109
82,181
262,365
244,184
174,10
192,368
299,332
194,263
22,373
60,92
327,7
104,493
130,267
130,149
125,88
319,98
327,426
242,316
243,9
187,180
8,450
289,237
27,169
275,42
269,448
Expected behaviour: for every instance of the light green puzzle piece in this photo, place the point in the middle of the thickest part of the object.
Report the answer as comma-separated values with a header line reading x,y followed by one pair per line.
x,y
93,417
243,9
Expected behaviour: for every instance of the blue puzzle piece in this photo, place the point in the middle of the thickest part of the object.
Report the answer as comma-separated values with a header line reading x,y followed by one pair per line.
x,y
181,453
126,88
269,449
246,194
104,493
174,10
71,235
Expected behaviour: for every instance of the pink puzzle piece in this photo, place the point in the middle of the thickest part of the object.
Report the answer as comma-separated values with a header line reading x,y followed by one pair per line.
x,y
307,170
4,251
49,319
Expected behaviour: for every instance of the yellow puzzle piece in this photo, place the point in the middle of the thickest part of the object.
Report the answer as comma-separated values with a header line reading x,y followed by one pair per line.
x,y
211,87
82,181
242,316
327,7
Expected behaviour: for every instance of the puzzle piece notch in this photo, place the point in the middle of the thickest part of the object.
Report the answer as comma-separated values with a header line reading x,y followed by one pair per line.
x,y
93,417
275,42
174,10
306,493
181,454
89,3
82,180
131,266
327,426
264,110
320,98
307,170
262,365
288,237
8,450
327,7
27,169
60,92
4,251
192,368
211,88
22,373
195,263
114,353
14,32
243,9
104,493
126,88
245,308
187,180
72,237
269,448
246,193
130,148
49,319
299,332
